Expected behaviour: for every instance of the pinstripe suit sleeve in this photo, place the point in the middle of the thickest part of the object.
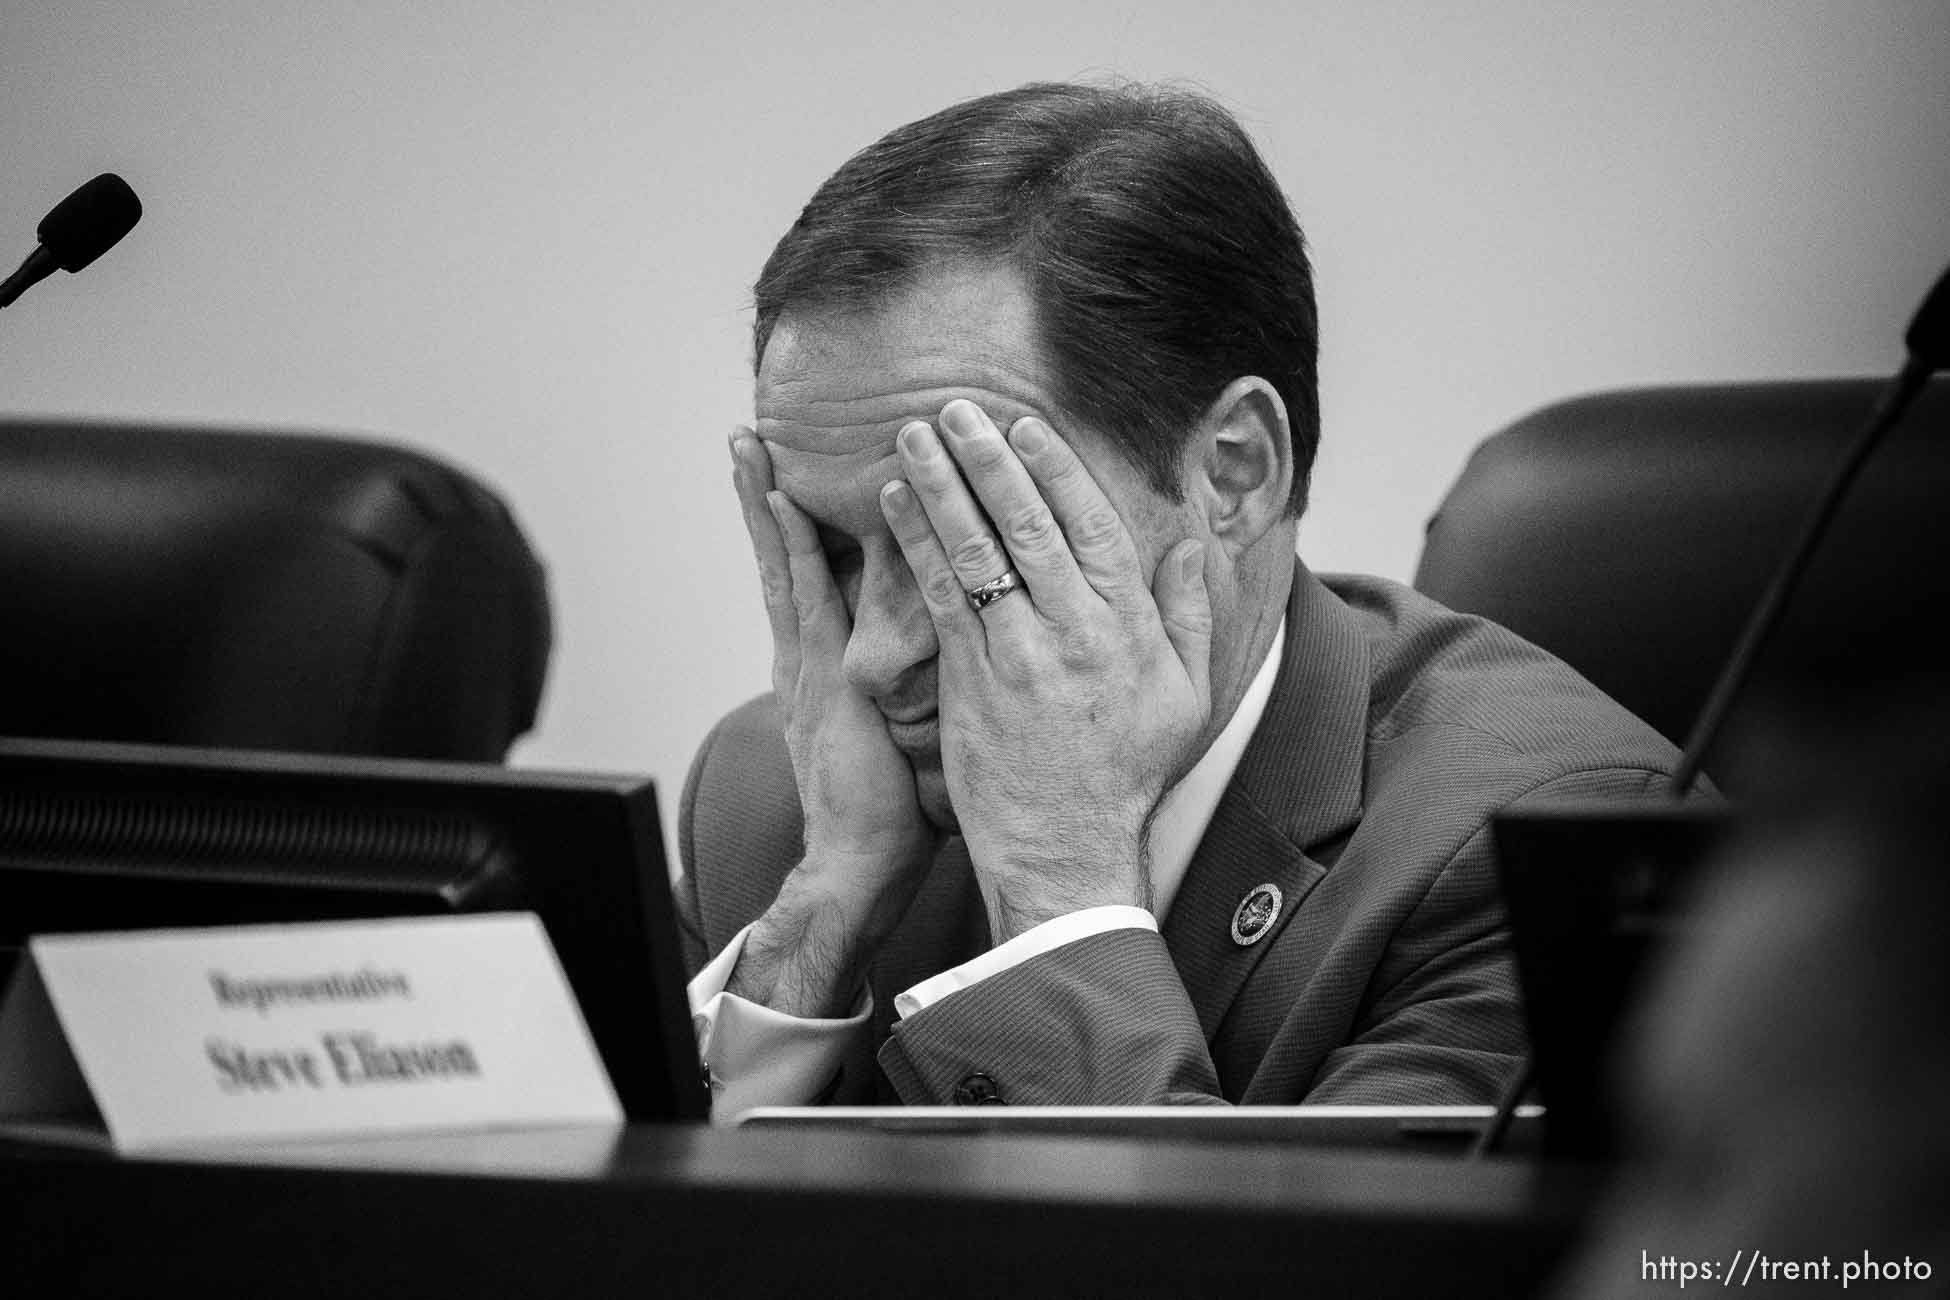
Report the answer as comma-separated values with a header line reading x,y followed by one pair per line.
x,y
1106,1020
690,928
1101,1021
738,829
1442,1021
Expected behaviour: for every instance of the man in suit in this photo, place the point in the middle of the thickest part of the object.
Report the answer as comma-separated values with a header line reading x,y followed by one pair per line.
x,y
1075,785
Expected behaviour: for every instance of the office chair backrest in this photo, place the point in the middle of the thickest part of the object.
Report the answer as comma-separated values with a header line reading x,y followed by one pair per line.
x,y
1631,532
261,590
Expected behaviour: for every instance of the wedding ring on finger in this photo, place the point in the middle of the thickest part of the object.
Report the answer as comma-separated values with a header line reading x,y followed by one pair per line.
x,y
994,589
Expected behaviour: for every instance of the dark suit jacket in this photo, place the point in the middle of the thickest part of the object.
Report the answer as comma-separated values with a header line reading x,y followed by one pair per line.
x,y
1396,727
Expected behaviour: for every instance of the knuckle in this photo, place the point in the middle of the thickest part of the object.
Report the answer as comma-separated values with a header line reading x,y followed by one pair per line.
x,y
1196,626
1016,676
1061,470
778,592
1079,647
1096,527
976,555
1031,527
942,590
805,604
1196,621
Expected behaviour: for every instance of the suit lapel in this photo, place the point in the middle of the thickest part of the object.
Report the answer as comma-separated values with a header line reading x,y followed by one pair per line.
x,y
1239,853
1297,786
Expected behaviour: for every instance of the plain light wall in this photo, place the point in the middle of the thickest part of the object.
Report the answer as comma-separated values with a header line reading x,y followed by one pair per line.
x,y
522,236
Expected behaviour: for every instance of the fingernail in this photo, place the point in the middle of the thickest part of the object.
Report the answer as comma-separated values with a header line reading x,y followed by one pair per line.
x,y
1191,563
896,498
775,502
962,418
1029,435
918,441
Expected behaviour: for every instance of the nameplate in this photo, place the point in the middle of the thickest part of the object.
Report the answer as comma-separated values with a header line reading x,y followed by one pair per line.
x,y
296,1031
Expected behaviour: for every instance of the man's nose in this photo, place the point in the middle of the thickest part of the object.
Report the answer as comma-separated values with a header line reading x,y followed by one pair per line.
x,y
892,633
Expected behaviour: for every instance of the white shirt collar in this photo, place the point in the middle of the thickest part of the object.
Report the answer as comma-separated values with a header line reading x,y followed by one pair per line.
x,y
1187,808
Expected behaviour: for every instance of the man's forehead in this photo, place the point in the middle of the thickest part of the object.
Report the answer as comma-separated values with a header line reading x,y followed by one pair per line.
x,y
835,388
844,381
839,490
866,426
832,458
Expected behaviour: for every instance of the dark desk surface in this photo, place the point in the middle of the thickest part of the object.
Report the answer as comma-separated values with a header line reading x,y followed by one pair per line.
x,y
652,1210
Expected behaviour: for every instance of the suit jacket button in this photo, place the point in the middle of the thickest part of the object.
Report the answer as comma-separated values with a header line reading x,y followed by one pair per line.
x,y
977,1090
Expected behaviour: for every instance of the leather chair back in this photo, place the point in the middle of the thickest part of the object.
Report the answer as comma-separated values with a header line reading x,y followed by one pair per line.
x,y
187,586
1631,533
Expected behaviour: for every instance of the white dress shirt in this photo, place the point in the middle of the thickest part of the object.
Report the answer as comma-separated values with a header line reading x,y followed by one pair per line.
x,y
760,1057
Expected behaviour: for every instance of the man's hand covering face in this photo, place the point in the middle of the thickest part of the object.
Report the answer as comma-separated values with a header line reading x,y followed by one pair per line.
x,y
1069,704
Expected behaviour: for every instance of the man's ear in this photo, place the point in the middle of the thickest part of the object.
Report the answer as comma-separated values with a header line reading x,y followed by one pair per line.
x,y
1241,466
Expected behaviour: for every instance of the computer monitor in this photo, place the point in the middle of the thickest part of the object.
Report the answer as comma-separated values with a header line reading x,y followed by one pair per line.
x,y
100,837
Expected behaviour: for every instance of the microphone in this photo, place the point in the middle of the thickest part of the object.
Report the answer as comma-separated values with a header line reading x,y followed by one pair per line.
x,y
80,229
1928,337
1928,343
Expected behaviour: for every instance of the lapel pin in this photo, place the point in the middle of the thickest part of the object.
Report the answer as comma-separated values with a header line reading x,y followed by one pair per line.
x,y
1254,916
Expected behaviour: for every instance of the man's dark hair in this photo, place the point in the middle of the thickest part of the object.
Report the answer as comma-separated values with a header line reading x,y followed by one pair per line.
x,y
1162,257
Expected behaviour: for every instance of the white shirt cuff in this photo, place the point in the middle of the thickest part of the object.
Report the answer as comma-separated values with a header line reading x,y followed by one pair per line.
x,y
1049,935
756,1056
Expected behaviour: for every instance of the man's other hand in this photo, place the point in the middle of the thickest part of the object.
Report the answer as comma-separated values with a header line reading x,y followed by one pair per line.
x,y
1069,705
867,841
